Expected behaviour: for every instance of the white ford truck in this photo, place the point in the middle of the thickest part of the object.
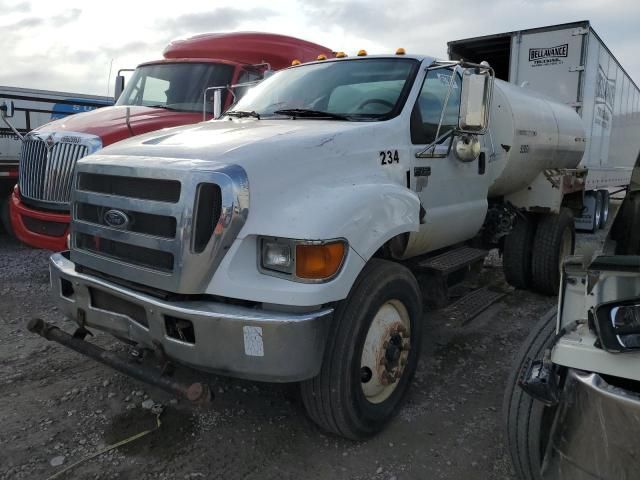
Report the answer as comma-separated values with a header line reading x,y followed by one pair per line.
x,y
282,242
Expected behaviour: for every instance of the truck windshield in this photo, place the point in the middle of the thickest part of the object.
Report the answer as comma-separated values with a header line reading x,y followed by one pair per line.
x,y
176,86
359,89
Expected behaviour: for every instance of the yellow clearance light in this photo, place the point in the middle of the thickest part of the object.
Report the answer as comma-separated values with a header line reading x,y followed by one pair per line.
x,y
322,56
295,62
362,53
319,262
400,51
341,55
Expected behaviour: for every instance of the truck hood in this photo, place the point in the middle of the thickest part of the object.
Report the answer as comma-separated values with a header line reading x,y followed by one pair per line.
x,y
242,141
109,123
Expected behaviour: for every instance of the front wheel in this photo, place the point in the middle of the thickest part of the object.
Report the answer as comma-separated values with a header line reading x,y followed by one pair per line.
x,y
371,354
528,422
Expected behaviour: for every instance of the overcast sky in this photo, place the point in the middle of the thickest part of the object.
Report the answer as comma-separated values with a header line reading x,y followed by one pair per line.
x,y
69,45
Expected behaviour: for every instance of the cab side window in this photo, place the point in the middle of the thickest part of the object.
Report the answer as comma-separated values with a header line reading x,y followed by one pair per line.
x,y
428,108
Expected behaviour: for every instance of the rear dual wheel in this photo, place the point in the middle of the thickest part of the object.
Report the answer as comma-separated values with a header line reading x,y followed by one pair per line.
x,y
535,250
371,354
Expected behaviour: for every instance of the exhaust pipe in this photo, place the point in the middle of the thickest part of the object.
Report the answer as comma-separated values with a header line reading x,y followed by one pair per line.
x,y
196,392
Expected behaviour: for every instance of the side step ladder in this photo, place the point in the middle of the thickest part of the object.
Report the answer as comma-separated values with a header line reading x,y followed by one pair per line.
x,y
452,261
439,272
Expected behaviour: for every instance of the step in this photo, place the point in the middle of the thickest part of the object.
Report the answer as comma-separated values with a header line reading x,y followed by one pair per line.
x,y
471,305
452,260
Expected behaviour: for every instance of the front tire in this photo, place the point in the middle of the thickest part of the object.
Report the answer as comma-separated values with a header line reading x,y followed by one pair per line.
x,y
371,354
528,421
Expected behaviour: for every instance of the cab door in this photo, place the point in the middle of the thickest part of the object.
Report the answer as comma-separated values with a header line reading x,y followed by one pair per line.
x,y
453,193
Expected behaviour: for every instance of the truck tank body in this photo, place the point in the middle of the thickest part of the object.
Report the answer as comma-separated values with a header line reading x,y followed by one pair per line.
x,y
529,133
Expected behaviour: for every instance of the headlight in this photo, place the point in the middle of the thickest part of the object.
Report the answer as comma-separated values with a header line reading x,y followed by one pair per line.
x,y
278,255
618,325
302,260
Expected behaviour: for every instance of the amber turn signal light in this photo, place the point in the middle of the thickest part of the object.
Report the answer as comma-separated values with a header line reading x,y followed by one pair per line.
x,y
319,262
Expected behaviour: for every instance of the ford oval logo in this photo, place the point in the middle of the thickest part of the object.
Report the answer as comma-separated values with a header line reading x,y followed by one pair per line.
x,y
116,218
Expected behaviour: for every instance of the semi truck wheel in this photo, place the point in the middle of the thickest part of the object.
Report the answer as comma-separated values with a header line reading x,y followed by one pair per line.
x,y
516,256
371,355
528,421
5,221
554,240
605,201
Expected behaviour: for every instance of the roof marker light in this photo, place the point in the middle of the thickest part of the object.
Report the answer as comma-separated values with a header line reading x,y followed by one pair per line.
x,y
362,53
295,62
341,55
322,56
400,51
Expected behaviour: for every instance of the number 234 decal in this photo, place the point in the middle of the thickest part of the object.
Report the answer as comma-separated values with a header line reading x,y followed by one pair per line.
x,y
389,157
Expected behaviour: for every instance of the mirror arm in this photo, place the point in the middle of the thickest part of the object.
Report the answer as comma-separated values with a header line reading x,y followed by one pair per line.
x,y
432,146
446,101
3,110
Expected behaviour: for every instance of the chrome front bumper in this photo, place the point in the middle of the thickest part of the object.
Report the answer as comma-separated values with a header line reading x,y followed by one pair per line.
x,y
595,434
231,340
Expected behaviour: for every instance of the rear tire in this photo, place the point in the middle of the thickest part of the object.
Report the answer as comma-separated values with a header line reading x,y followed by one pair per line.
x,y
348,397
527,421
554,239
516,257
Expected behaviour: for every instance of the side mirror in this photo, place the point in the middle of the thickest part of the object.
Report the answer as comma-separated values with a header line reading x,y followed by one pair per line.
x,y
475,101
217,103
7,109
119,87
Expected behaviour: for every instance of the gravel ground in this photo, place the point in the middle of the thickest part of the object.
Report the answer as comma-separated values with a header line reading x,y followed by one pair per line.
x,y
57,407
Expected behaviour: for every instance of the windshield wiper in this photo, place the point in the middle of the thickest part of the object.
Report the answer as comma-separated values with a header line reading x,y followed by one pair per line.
x,y
160,106
243,114
306,113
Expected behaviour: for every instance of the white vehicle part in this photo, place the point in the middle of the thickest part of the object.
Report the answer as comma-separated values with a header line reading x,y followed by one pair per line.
x,y
530,133
581,293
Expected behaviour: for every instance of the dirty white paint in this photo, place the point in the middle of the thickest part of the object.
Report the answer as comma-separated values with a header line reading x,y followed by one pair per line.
x,y
253,344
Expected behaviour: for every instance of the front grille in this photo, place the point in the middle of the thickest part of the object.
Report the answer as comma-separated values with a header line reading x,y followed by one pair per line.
x,y
157,225
132,187
133,254
46,173
162,224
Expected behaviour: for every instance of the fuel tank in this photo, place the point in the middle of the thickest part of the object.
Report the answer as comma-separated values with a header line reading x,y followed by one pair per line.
x,y
529,133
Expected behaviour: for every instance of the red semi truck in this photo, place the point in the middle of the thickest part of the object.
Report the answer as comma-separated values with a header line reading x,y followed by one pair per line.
x,y
160,94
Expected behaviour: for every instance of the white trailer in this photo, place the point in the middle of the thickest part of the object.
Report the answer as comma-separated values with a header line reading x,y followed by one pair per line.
x,y
571,64
33,108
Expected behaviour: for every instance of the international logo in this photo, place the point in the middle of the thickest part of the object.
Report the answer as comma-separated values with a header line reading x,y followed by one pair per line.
x,y
49,142
116,218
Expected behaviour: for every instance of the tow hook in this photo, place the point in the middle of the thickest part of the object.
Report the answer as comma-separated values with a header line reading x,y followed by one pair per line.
x,y
196,392
538,378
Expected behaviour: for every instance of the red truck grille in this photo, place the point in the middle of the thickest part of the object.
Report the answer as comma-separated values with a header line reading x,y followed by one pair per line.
x,y
46,170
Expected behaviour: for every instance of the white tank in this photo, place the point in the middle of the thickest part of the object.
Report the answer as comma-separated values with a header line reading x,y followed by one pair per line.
x,y
530,133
